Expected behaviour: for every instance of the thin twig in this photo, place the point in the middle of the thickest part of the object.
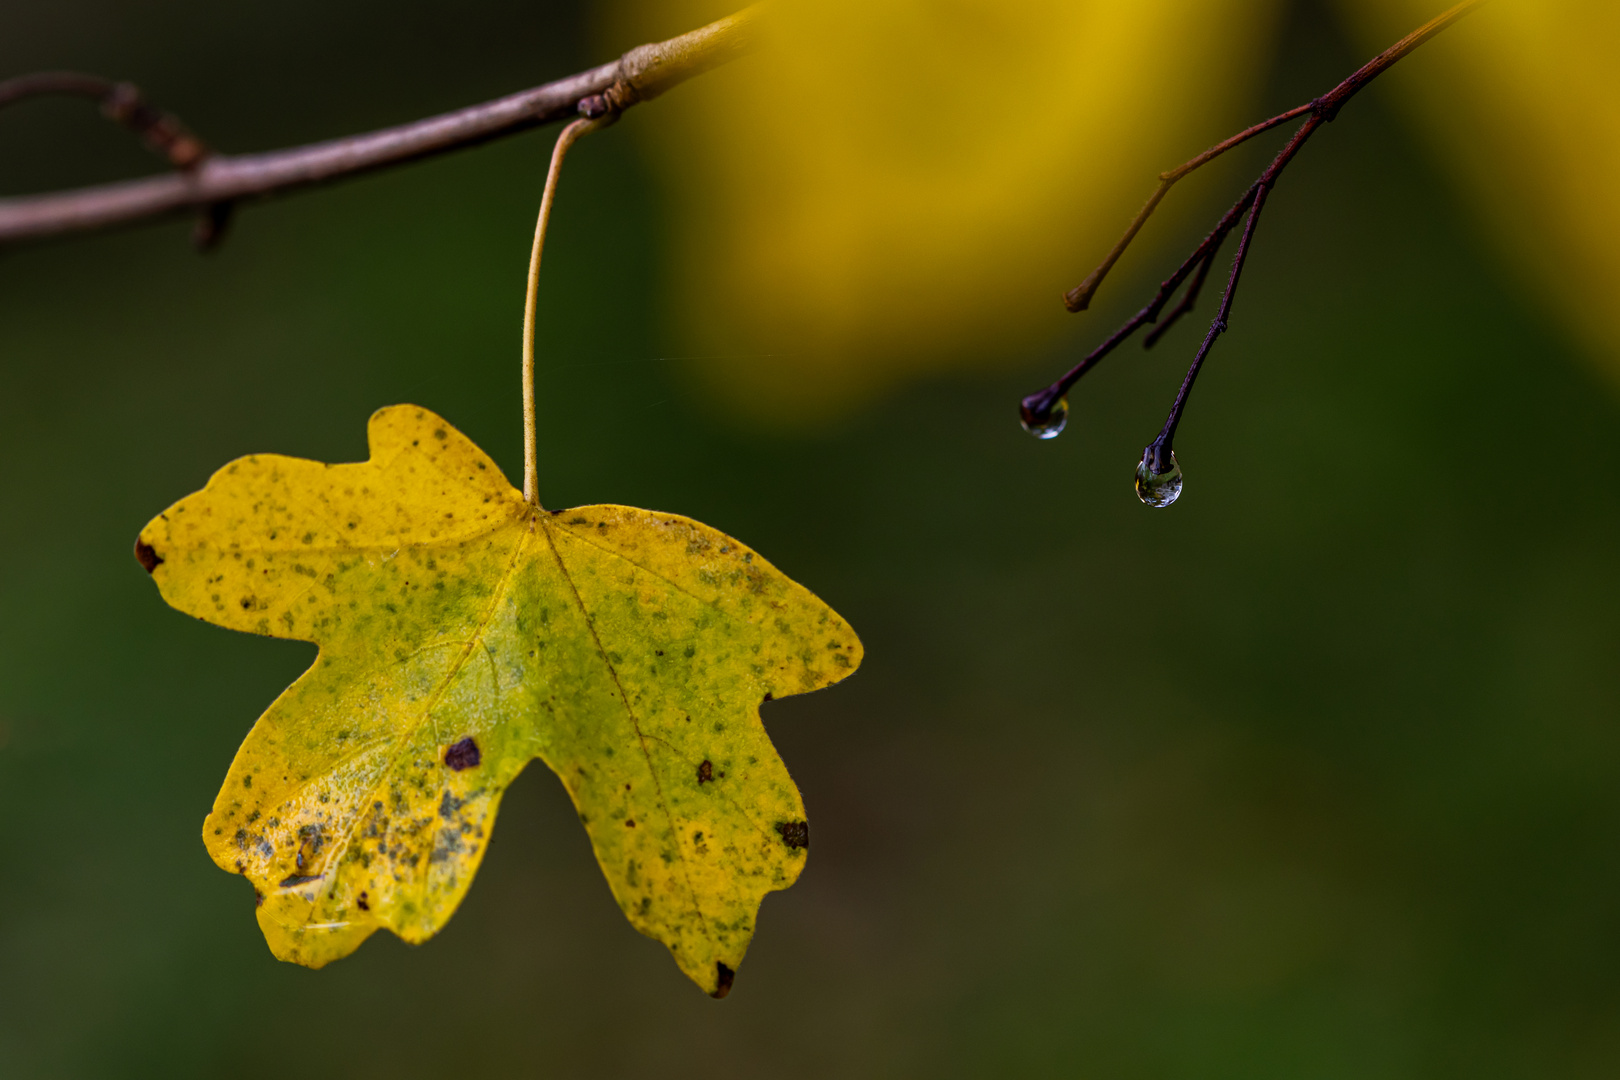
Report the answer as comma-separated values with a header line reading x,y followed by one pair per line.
x,y
1079,298
569,135
1188,299
120,102
1218,326
1036,408
219,179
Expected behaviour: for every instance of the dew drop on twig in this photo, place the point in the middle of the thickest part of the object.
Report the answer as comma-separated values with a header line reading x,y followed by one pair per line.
x,y
1158,484
1050,425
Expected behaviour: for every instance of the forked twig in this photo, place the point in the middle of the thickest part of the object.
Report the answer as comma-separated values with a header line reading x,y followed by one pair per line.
x,y
1041,410
1188,299
1079,297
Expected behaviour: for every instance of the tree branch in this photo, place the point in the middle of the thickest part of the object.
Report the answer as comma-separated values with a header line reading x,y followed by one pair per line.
x,y
1038,409
120,102
215,182
1188,299
1078,298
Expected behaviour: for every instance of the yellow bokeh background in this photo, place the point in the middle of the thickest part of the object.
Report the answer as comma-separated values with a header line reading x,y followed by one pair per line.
x,y
894,188
902,187
1521,103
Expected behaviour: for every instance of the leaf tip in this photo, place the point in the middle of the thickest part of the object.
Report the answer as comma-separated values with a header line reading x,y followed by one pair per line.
x,y
724,977
148,557
795,834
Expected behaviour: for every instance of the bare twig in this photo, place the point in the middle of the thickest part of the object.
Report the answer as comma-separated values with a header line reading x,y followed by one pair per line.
x,y
1037,409
1079,297
120,102
221,179
1188,299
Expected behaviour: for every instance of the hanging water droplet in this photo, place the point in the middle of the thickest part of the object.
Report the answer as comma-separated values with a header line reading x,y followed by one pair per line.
x,y
1158,482
1048,425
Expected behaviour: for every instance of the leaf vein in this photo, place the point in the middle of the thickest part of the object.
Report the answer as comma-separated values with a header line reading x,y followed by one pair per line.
x,y
635,723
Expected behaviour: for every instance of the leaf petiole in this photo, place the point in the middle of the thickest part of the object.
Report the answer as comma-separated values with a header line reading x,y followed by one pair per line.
x,y
566,139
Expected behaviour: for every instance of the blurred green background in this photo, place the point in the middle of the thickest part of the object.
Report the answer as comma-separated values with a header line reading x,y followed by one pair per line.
x,y
1313,775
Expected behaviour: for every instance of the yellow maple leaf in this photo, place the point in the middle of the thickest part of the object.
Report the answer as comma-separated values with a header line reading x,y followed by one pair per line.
x,y
464,632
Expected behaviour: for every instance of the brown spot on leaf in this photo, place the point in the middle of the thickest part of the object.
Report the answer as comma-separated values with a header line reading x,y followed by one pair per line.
x,y
463,755
147,556
629,823
795,834
706,772
309,846
724,978
362,904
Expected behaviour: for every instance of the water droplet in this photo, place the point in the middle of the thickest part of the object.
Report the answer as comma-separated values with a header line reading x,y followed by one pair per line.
x,y
1049,426
1158,483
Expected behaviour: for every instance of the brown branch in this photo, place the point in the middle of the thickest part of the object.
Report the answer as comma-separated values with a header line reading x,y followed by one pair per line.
x,y
120,102
1036,409
221,180
1079,298
1188,299
1262,188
